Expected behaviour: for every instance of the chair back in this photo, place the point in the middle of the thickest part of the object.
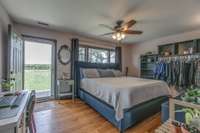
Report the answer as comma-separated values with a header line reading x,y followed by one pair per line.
x,y
30,107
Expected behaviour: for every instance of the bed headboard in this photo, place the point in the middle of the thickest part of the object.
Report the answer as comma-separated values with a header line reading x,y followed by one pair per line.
x,y
79,65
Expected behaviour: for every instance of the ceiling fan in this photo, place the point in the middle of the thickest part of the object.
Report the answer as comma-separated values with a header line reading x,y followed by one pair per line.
x,y
121,29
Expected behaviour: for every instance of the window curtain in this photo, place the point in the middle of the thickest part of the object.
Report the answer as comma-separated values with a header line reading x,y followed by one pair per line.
x,y
74,55
74,58
118,57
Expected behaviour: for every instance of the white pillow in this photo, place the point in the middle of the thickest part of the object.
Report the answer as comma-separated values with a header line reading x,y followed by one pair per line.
x,y
118,73
90,73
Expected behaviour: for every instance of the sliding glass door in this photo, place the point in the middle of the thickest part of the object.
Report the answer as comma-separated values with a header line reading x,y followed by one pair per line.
x,y
39,68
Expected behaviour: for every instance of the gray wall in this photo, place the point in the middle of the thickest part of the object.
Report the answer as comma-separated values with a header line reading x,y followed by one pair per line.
x,y
4,21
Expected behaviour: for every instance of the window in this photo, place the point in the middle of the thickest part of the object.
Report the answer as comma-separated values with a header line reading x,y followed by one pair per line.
x,y
96,55
82,54
112,56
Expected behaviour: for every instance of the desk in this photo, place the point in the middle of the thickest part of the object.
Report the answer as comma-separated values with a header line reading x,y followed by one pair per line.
x,y
15,120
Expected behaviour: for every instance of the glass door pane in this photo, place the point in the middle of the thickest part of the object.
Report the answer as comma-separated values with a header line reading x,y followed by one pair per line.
x,y
38,66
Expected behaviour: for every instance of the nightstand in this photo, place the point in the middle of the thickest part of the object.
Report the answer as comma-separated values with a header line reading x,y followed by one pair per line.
x,y
64,88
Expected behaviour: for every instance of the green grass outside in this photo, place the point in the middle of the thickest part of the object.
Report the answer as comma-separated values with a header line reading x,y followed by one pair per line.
x,y
39,80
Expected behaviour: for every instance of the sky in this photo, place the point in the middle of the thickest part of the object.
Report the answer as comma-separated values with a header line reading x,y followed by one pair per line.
x,y
37,53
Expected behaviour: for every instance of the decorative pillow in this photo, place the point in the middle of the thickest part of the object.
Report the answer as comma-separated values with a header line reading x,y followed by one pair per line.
x,y
105,73
118,73
89,73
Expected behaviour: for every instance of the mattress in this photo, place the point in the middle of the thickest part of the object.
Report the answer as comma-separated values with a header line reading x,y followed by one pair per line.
x,y
124,92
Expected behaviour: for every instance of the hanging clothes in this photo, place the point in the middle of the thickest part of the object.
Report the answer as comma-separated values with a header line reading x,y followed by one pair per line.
x,y
197,76
187,73
168,73
182,75
180,72
176,72
192,72
159,71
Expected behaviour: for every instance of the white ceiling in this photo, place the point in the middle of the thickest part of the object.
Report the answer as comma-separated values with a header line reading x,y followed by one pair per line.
x,y
155,17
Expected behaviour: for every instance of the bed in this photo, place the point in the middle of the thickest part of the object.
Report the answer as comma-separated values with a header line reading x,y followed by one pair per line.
x,y
118,98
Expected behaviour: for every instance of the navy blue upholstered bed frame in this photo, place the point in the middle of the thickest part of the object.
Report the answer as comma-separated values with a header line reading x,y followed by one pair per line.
x,y
131,116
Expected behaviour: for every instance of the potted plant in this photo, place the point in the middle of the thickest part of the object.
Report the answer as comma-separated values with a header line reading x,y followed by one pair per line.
x,y
6,85
192,116
192,95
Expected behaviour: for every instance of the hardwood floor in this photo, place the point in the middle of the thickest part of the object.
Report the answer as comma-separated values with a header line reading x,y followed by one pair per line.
x,y
64,116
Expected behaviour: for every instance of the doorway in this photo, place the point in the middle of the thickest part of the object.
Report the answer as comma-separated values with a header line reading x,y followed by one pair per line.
x,y
39,67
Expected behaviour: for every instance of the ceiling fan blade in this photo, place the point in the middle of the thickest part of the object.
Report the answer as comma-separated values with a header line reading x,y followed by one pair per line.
x,y
106,34
106,26
132,32
129,24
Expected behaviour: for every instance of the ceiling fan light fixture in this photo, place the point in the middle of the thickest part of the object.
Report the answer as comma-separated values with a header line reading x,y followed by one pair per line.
x,y
123,36
114,36
118,36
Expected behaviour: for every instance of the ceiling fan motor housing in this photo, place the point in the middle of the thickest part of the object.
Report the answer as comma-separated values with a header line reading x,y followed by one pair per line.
x,y
119,24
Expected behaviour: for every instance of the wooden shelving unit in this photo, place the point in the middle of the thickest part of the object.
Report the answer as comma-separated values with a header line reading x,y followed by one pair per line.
x,y
147,64
170,49
180,48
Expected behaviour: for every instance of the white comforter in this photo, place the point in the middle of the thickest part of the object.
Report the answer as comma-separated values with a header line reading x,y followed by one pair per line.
x,y
124,92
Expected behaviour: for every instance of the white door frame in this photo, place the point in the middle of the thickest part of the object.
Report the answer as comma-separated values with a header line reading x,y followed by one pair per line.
x,y
15,41
54,62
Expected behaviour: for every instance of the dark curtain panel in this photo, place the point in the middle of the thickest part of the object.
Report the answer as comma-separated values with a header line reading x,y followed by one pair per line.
x,y
118,58
74,55
74,58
